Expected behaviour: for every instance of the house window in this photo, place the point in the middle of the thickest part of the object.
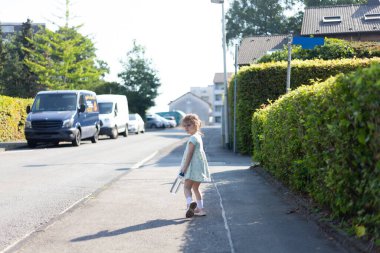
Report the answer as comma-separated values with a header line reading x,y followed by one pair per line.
x,y
372,16
218,97
219,86
218,119
218,108
332,19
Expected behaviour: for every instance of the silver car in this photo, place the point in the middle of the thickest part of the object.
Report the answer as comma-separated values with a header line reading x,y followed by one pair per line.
x,y
136,124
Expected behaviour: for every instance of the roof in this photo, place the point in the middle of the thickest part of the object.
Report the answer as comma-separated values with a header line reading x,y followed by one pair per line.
x,y
219,77
343,19
253,48
189,94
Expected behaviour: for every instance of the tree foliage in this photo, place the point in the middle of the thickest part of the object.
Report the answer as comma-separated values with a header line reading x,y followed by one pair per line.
x,y
332,49
15,77
139,79
259,17
64,59
310,3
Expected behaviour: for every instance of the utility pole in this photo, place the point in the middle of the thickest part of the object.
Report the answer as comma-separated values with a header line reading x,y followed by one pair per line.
x,y
290,39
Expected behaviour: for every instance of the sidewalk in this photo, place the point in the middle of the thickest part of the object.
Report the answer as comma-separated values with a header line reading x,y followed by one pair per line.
x,y
137,213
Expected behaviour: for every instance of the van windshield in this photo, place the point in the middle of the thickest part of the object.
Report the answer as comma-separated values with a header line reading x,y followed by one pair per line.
x,y
55,102
105,108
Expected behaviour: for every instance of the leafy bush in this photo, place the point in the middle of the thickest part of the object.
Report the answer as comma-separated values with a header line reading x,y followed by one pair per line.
x,y
324,140
12,117
259,83
332,49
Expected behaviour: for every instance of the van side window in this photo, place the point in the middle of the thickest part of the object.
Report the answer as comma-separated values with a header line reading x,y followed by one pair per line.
x,y
81,100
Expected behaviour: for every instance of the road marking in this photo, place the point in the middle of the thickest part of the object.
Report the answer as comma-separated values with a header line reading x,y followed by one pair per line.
x,y
225,219
141,163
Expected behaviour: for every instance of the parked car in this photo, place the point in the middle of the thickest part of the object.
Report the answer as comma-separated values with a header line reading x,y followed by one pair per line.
x,y
113,115
177,114
153,121
64,115
165,122
172,121
136,123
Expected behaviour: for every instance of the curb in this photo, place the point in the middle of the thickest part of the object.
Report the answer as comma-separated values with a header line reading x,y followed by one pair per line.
x,y
5,146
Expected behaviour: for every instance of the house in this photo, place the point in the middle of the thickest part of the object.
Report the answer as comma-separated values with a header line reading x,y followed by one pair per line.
x,y
191,103
11,28
217,98
349,22
253,48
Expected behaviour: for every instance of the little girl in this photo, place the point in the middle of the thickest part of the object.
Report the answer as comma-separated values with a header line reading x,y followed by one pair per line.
x,y
194,166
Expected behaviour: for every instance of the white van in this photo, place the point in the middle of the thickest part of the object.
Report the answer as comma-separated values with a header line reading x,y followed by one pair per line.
x,y
113,115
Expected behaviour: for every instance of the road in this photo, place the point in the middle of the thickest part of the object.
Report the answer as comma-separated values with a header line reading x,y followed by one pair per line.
x,y
39,184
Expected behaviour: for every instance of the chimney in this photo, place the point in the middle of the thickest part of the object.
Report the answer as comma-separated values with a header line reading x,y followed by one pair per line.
x,y
374,2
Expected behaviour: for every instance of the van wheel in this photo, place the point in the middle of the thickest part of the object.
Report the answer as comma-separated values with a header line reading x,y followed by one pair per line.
x,y
125,133
32,144
95,138
76,141
114,133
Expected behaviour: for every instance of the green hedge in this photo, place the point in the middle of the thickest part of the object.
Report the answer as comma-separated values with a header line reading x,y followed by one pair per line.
x,y
12,117
332,49
259,83
324,140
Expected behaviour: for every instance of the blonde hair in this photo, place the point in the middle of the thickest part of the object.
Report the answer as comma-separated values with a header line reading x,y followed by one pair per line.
x,y
192,118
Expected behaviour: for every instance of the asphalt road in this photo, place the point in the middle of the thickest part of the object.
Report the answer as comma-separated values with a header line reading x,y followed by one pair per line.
x,y
128,208
39,184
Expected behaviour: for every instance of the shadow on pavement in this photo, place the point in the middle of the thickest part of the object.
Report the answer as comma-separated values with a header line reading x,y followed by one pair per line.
x,y
147,225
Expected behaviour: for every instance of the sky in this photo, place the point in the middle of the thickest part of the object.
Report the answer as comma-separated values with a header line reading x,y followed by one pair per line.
x,y
183,38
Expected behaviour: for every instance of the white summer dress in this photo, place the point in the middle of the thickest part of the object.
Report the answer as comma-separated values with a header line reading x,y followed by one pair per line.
x,y
198,168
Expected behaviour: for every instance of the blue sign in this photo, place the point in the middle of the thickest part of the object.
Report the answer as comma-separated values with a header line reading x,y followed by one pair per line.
x,y
307,42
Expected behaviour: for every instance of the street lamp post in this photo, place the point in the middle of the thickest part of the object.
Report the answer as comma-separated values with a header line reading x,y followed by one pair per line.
x,y
225,125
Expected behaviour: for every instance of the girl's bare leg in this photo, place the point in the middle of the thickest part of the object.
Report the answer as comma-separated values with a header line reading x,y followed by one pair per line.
x,y
187,189
198,194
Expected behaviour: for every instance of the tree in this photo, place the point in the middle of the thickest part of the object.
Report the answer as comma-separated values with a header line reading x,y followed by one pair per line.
x,y
111,88
255,17
64,59
310,3
15,78
2,61
140,80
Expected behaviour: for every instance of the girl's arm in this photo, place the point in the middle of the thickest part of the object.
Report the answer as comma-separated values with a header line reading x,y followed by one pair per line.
x,y
190,152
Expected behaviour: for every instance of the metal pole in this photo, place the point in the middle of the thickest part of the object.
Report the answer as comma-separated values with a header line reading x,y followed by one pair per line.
x,y
289,61
235,90
226,128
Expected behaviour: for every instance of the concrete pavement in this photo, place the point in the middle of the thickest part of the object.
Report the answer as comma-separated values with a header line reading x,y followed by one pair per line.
x,y
136,213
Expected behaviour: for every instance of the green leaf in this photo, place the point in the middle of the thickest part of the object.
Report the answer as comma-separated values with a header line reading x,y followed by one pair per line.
x,y
360,231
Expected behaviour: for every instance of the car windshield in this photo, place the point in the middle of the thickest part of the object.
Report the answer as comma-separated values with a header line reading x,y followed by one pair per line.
x,y
55,102
105,108
132,117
